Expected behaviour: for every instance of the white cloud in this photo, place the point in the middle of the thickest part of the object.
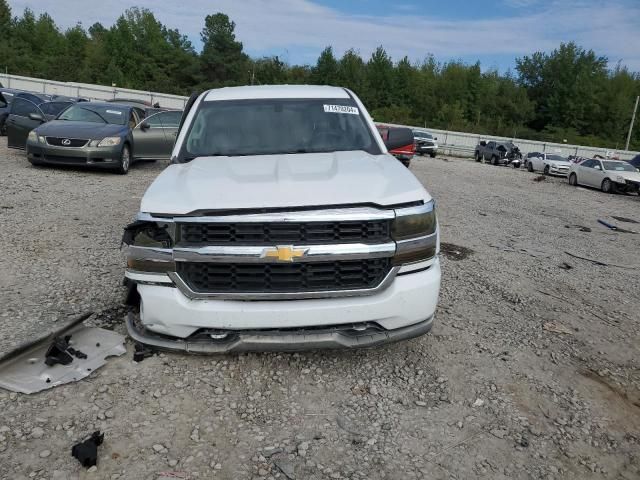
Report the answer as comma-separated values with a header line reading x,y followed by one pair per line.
x,y
296,26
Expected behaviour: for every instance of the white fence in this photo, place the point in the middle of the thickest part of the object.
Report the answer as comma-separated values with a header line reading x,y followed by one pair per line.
x,y
453,143
93,92
463,144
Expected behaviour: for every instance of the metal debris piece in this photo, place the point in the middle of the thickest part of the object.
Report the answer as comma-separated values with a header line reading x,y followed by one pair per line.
x,y
557,328
27,372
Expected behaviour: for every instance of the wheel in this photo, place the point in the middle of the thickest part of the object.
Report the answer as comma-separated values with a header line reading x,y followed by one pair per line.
x,y
432,154
546,169
478,157
573,180
516,165
494,160
607,186
125,160
529,167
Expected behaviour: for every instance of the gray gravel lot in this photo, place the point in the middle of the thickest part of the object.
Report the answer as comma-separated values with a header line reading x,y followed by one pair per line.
x,y
495,391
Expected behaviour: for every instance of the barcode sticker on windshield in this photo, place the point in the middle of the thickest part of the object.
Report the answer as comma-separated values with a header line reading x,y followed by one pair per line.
x,y
341,109
115,112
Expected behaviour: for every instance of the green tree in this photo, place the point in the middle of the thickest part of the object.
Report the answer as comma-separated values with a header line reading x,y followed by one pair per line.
x,y
378,93
326,70
351,72
223,60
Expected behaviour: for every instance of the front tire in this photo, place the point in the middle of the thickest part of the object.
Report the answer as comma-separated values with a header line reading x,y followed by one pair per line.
x,y
573,180
607,186
546,170
494,160
125,160
478,157
432,154
529,167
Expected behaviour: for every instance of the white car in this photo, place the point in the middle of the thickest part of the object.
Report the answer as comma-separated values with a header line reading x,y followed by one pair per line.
x,y
608,175
282,224
548,163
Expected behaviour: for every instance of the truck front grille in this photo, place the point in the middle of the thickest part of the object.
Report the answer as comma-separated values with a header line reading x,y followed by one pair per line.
x,y
283,277
272,233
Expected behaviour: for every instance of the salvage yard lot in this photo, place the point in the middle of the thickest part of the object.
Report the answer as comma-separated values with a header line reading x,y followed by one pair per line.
x,y
531,371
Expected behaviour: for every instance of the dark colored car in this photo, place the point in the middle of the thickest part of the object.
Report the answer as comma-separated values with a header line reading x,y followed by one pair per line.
x,y
635,161
8,95
404,152
106,135
25,115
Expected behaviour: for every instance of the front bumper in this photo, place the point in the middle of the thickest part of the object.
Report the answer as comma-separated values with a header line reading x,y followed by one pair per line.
x,y
169,319
279,340
106,157
561,171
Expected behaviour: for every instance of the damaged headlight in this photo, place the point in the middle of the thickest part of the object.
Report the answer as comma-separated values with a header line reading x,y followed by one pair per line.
x,y
149,247
415,231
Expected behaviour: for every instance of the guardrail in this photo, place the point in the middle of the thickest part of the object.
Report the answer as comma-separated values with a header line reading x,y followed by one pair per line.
x,y
93,92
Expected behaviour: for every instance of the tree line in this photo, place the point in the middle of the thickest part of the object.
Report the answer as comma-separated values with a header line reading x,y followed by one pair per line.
x,y
568,94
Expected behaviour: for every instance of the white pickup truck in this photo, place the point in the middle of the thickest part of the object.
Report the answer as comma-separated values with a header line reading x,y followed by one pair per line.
x,y
282,223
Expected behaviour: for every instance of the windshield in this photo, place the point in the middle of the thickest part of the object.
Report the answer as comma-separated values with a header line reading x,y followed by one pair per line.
x,y
277,126
618,166
95,113
557,158
428,136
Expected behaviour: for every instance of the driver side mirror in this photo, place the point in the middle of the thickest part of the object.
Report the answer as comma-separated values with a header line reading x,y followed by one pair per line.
x,y
399,137
37,117
145,126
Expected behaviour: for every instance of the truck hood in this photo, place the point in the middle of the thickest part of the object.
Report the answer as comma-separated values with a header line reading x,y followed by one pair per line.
x,y
276,181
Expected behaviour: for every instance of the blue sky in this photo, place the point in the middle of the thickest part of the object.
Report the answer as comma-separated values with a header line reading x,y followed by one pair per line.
x,y
492,31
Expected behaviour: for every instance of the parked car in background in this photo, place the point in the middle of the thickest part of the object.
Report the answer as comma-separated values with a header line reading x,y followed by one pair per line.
x,y
635,161
498,153
548,163
405,152
105,135
425,143
8,95
610,176
25,115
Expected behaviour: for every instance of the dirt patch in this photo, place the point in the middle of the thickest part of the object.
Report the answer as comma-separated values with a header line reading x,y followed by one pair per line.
x,y
455,252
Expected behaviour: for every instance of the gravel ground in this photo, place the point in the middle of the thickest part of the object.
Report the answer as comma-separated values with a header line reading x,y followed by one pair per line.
x,y
531,371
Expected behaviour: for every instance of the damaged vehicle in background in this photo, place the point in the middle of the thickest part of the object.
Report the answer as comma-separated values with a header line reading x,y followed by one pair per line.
x,y
548,163
282,224
401,136
610,176
498,153
425,143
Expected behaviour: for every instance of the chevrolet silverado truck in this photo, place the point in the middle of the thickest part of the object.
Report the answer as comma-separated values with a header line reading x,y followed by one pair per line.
x,y
282,223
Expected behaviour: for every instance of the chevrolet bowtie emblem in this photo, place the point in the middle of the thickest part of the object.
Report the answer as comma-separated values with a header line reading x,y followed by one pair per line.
x,y
284,253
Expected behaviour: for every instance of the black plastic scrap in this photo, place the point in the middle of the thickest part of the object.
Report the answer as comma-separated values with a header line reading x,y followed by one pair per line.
x,y
57,353
141,352
87,452
60,352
